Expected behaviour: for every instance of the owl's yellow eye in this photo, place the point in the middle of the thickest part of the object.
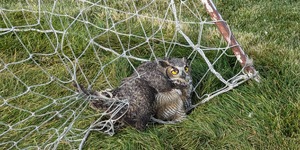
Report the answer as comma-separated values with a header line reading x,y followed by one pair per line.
x,y
186,68
174,71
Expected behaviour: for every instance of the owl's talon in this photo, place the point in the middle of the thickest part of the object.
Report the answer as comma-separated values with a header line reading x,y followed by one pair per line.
x,y
155,120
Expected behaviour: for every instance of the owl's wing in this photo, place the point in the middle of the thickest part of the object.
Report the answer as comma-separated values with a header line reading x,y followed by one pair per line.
x,y
188,102
141,99
156,79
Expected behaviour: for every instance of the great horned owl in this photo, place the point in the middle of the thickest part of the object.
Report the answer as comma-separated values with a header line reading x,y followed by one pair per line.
x,y
171,78
159,88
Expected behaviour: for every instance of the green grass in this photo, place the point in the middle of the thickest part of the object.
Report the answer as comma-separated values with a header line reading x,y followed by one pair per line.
x,y
263,115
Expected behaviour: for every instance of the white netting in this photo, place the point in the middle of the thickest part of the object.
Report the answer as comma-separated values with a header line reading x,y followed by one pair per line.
x,y
46,45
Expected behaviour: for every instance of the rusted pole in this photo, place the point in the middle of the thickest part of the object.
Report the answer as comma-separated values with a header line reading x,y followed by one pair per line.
x,y
229,37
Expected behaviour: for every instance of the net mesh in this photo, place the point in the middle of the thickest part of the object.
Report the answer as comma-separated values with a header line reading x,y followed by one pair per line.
x,y
48,45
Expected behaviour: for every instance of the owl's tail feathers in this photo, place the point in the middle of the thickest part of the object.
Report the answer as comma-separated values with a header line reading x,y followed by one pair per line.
x,y
98,100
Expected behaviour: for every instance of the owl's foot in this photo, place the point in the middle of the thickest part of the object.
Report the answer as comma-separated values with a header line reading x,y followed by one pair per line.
x,y
155,120
102,100
106,93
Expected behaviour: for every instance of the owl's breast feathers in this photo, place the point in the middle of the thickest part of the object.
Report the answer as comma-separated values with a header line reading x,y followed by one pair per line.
x,y
169,106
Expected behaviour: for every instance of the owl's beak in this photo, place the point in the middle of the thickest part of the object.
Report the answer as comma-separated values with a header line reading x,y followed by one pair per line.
x,y
180,82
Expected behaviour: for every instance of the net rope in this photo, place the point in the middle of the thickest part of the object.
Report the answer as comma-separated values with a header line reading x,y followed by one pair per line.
x,y
48,45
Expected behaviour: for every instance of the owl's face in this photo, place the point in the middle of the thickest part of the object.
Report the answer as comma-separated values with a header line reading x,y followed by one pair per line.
x,y
177,70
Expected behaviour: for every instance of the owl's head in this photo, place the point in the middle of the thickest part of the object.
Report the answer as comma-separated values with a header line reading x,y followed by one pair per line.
x,y
177,70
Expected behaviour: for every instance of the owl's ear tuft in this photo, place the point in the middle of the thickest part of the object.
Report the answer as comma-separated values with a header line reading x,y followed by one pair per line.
x,y
188,61
164,63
